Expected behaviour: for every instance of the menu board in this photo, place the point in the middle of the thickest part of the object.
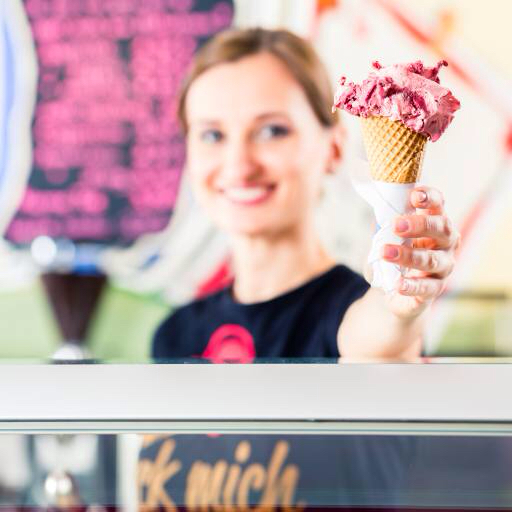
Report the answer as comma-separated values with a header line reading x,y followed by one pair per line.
x,y
108,152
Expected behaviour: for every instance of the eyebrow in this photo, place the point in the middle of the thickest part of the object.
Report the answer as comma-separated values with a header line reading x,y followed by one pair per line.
x,y
272,114
259,117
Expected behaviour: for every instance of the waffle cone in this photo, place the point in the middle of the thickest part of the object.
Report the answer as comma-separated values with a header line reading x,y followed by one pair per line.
x,y
394,151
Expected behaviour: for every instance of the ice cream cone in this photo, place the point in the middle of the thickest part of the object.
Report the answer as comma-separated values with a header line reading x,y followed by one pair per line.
x,y
395,152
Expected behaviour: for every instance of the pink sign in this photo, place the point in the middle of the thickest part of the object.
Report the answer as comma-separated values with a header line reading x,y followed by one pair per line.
x,y
108,152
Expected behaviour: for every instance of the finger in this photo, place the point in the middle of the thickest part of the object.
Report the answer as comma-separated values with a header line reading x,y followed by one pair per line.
x,y
440,263
424,287
427,198
438,227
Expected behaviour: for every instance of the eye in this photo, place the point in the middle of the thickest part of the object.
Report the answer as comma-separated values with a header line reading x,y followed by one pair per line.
x,y
273,131
211,136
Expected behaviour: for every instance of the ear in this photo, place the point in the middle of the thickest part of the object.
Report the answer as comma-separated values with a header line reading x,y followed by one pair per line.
x,y
338,135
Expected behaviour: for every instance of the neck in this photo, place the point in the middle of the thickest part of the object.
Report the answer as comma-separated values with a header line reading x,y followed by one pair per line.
x,y
266,267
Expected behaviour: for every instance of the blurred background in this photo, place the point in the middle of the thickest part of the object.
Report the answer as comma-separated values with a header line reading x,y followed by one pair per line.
x,y
100,236
96,243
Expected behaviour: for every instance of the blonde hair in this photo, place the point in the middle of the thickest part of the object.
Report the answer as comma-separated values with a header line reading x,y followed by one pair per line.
x,y
295,53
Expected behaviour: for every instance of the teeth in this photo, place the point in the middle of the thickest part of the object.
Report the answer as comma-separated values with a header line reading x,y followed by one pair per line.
x,y
246,193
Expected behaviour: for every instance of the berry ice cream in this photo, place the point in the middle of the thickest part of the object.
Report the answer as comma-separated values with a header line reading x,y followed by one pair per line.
x,y
410,93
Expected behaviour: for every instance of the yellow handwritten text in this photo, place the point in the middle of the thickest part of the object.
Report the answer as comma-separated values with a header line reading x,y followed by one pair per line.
x,y
222,487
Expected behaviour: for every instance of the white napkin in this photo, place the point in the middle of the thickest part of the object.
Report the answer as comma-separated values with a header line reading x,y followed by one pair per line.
x,y
388,200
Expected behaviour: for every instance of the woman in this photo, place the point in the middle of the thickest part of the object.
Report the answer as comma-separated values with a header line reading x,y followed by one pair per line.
x,y
256,111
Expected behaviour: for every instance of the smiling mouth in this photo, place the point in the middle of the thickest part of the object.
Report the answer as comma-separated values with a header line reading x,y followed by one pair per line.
x,y
248,195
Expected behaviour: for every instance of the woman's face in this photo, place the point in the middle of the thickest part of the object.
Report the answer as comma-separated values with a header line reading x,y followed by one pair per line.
x,y
256,153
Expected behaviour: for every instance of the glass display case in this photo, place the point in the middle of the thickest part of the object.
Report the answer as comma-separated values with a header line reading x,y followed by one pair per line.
x,y
434,434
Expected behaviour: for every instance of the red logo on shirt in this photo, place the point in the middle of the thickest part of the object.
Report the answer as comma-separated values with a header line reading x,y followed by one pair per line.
x,y
230,343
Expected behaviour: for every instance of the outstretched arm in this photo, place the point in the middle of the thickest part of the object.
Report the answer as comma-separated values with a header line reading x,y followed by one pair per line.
x,y
391,326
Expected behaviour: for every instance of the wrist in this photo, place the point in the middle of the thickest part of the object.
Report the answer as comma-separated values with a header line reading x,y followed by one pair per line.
x,y
409,313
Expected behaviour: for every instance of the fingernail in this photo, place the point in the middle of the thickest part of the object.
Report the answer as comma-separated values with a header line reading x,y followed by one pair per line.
x,y
404,286
420,196
390,252
401,225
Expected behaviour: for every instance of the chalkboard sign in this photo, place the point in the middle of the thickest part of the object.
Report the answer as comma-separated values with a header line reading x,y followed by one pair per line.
x,y
107,149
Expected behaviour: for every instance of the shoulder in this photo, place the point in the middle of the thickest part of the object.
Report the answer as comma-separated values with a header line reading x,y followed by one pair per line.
x,y
179,326
345,274
341,287
345,282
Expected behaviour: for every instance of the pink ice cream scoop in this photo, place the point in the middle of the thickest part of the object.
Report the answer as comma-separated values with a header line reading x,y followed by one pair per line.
x,y
410,93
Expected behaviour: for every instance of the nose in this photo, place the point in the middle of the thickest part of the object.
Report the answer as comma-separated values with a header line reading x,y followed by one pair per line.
x,y
240,163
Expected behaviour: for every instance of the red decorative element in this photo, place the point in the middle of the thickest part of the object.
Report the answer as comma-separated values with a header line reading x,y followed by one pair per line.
x,y
230,343
413,30
221,278
324,5
508,140
321,6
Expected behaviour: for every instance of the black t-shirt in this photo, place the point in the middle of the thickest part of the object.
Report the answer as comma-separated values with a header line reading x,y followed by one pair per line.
x,y
300,323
